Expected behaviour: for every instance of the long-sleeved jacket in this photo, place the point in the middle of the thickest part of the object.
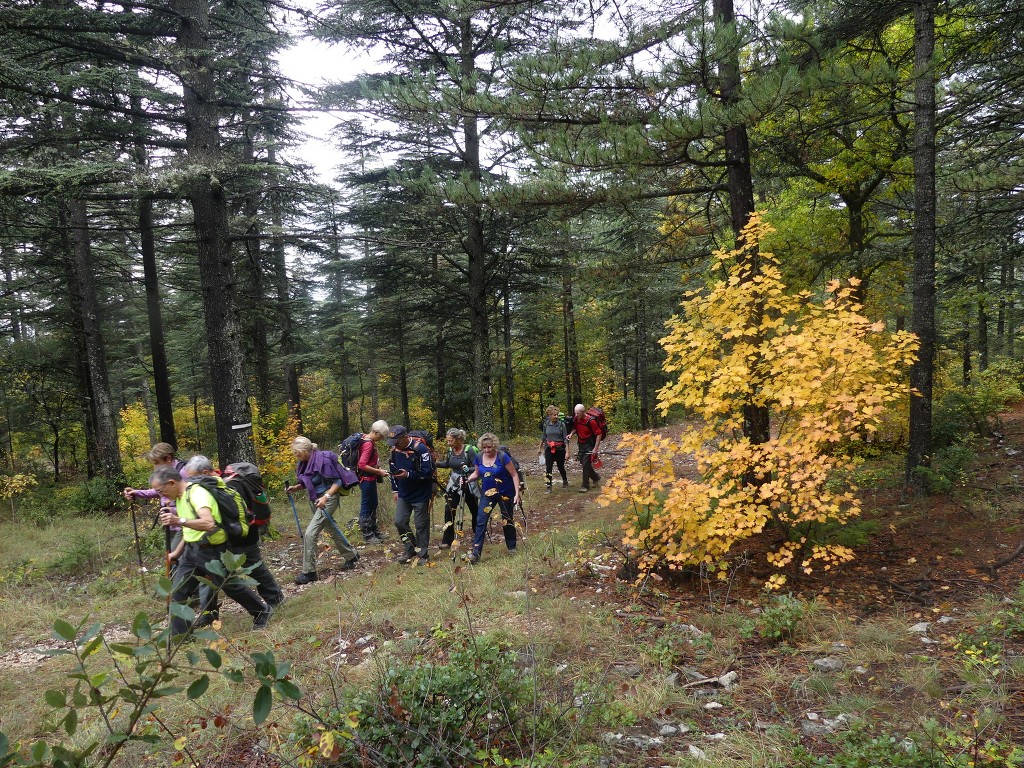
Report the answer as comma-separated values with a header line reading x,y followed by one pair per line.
x,y
417,460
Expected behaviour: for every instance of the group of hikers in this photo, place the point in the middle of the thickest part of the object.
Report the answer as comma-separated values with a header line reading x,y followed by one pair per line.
x,y
197,504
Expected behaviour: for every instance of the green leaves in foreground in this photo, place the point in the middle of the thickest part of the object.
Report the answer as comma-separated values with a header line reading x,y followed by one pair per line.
x,y
149,669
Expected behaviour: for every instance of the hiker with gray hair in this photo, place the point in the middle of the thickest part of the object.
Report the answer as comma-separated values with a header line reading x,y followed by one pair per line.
x,y
204,541
319,474
266,585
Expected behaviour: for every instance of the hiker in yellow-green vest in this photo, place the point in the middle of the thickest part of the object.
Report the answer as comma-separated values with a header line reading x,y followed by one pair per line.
x,y
203,541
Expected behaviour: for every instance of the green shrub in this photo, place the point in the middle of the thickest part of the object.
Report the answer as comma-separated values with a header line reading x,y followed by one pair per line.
x,y
98,495
430,713
779,620
950,468
961,411
81,554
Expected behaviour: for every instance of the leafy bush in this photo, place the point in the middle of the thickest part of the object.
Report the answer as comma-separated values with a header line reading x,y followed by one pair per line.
x,y
822,372
779,620
431,713
961,411
950,468
95,496
81,554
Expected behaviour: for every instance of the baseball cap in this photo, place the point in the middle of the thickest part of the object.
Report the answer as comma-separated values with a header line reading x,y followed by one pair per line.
x,y
396,433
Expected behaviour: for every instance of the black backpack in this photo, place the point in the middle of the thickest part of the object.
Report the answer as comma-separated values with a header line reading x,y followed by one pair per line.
x,y
348,450
515,462
246,479
234,517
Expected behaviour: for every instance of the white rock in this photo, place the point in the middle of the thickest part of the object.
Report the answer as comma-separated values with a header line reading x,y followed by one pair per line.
x,y
921,627
697,753
813,716
728,680
716,736
711,705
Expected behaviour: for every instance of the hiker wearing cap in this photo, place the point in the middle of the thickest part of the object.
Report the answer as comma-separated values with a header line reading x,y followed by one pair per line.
x,y
369,476
203,541
553,439
499,486
588,438
319,473
266,585
460,461
412,481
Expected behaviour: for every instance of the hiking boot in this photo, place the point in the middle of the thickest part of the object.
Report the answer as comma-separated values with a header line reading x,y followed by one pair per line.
x,y
442,545
276,603
473,558
422,560
584,489
547,488
373,538
565,483
404,558
263,618
306,578
348,565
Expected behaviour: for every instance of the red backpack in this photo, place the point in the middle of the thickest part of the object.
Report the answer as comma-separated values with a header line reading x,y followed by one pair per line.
x,y
596,419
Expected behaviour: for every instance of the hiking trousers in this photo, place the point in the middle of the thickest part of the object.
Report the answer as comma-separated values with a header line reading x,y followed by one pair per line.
x,y
586,455
368,503
483,518
451,506
418,513
191,566
554,456
325,518
266,585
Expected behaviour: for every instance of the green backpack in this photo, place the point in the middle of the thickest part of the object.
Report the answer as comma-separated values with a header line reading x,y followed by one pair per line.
x,y
231,515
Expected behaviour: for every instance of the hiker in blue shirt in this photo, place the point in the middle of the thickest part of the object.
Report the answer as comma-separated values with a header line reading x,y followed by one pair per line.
x,y
412,480
499,487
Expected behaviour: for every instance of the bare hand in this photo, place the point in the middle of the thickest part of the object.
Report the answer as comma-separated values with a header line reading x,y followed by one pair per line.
x,y
128,493
168,518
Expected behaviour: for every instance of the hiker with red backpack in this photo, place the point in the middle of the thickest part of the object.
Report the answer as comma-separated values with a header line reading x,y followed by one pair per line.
x,y
590,428
319,473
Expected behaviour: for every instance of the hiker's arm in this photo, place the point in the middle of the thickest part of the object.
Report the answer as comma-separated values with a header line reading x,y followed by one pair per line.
x,y
322,501
515,480
204,521
364,465
174,554
140,493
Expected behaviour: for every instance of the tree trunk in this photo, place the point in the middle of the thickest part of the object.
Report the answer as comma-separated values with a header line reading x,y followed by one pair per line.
x,y
213,248
82,277
573,378
922,321
476,253
161,376
284,313
739,179
510,389
965,354
982,335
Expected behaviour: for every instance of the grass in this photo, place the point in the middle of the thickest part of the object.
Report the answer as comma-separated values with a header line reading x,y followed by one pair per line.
x,y
561,630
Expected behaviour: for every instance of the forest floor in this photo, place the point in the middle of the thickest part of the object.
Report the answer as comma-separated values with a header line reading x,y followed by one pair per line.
x,y
913,639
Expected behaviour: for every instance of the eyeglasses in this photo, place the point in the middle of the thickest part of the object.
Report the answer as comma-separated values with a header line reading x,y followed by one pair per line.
x,y
163,488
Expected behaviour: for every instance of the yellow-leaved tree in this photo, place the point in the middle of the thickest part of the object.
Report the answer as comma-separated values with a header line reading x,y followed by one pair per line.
x,y
826,375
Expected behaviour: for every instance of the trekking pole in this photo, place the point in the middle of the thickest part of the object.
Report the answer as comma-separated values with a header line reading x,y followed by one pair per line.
x,y
138,544
295,510
167,573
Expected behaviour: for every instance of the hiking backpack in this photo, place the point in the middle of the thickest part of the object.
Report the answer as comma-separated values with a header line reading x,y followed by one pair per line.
x,y
515,462
246,479
595,414
423,436
234,517
348,450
